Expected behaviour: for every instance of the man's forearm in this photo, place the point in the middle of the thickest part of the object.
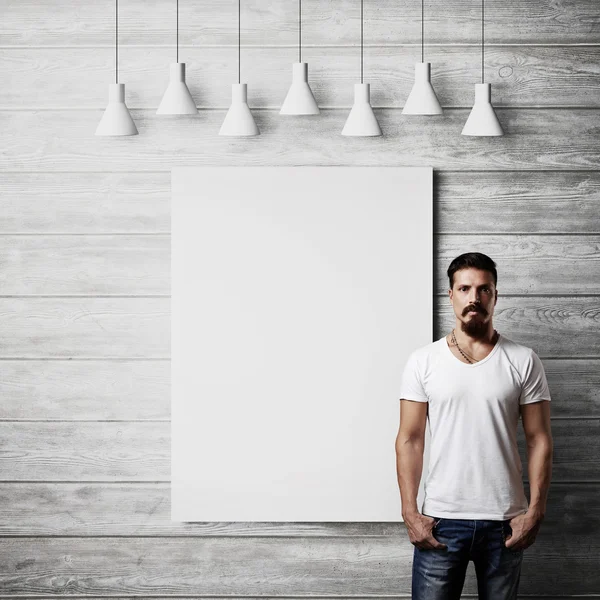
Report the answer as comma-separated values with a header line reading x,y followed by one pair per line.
x,y
539,458
409,466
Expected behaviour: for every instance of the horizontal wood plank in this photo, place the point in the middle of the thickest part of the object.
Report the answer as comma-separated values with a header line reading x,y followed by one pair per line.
x,y
374,566
144,509
209,22
535,139
85,451
553,264
93,202
141,451
85,327
542,323
517,202
79,77
98,389
96,327
75,390
141,264
514,202
86,265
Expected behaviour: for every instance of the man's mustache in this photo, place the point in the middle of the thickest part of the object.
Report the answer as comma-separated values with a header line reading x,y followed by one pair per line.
x,y
475,308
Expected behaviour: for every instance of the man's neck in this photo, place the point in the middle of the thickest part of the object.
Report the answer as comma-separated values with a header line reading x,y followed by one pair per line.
x,y
464,339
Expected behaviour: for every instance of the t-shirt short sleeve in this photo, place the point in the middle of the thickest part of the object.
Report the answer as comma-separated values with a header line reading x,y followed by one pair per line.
x,y
411,387
535,385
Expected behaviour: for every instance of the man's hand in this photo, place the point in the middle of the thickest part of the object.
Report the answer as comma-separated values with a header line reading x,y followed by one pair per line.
x,y
525,528
420,532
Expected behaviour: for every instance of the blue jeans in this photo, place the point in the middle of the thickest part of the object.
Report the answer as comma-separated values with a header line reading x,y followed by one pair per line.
x,y
439,574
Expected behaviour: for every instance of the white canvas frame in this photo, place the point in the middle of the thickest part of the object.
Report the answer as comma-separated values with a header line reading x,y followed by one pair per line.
x,y
297,295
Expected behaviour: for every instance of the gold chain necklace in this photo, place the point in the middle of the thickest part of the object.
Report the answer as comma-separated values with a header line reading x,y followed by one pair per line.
x,y
460,349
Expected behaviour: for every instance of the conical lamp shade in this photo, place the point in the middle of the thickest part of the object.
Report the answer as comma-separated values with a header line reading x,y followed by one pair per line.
x,y
422,99
299,99
361,120
177,99
116,119
482,119
239,120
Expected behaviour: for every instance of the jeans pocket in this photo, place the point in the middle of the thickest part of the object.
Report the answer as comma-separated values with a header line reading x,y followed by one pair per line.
x,y
506,530
436,521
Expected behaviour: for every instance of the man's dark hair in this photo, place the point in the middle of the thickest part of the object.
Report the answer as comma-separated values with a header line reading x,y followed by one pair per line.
x,y
472,259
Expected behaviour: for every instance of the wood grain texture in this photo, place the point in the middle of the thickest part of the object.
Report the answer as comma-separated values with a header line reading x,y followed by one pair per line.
x,y
129,327
324,22
144,509
72,389
346,567
484,202
140,451
547,323
93,327
139,390
92,202
517,202
536,139
531,76
136,265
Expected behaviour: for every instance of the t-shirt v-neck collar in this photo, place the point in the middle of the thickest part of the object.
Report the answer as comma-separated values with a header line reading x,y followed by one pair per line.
x,y
480,362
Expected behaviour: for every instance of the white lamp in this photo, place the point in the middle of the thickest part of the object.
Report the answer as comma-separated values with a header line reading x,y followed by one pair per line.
x,y
422,99
177,99
361,121
482,119
116,119
239,120
300,99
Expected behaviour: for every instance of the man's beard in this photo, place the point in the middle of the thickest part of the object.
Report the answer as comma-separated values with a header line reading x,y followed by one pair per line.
x,y
475,327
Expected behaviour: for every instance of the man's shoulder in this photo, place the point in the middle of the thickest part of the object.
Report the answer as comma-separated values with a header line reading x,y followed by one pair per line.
x,y
516,349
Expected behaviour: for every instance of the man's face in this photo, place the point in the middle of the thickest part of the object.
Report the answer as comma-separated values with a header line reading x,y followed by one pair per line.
x,y
473,298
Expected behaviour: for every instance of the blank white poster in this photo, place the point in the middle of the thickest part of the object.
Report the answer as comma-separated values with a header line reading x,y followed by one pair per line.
x,y
297,295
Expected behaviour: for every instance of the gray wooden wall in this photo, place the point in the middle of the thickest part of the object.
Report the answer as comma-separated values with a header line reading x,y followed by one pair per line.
x,y
84,247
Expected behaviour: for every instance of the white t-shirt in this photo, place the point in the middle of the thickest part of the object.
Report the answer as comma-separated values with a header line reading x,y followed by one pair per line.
x,y
475,471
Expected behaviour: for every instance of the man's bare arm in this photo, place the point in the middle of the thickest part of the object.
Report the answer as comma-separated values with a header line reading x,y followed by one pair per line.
x,y
410,444
536,424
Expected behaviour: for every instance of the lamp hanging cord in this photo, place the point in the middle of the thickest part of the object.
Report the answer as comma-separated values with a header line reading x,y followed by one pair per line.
x,y
177,59
239,40
116,41
422,31
299,30
361,41
482,40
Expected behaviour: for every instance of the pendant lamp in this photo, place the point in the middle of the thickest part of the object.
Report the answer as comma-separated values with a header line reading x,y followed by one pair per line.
x,y
177,99
116,119
482,120
299,99
422,99
361,121
239,120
